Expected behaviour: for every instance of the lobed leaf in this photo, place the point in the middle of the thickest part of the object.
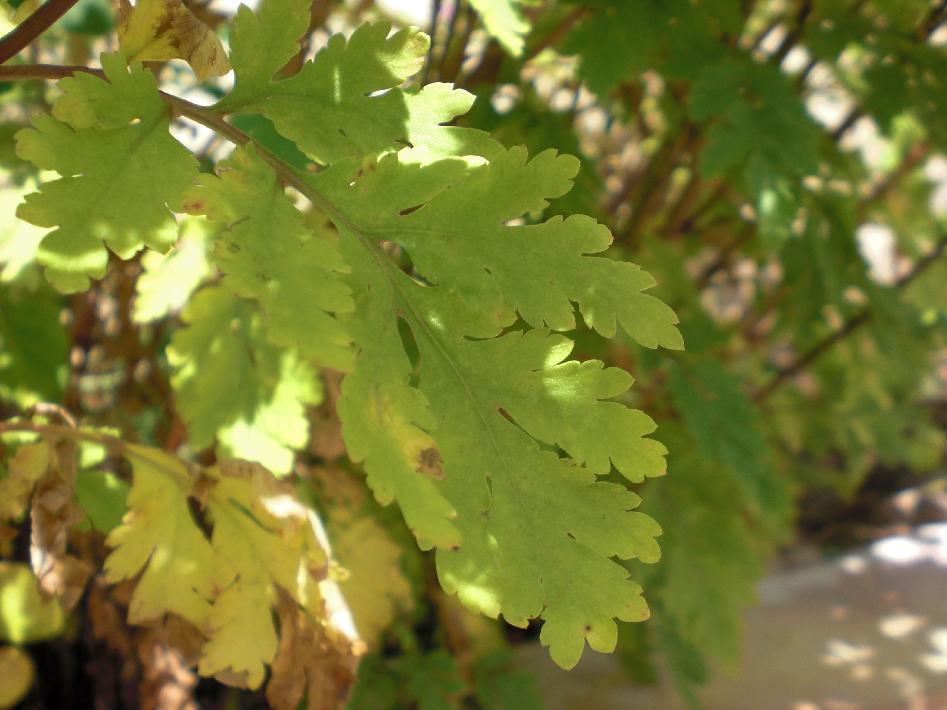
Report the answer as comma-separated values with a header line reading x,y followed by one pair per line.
x,y
264,418
120,171
453,221
510,495
265,553
168,281
268,252
345,102
504,20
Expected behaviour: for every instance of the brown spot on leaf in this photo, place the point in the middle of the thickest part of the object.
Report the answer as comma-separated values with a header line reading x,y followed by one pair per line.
x,y
431,463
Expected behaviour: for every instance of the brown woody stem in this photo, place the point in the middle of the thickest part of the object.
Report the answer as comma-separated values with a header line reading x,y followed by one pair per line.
x,y
23,34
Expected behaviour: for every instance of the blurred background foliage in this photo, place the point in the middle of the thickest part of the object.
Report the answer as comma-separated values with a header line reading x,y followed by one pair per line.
x,y
780,166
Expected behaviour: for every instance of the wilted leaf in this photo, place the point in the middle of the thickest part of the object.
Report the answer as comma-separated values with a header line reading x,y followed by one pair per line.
x,y
54,513
315,659
258,545
167,29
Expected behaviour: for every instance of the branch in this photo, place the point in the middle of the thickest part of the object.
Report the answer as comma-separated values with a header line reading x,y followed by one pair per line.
x,y
914,157
199,114
848,327
557,34
23,34
181,107
793,35
112,443
723,255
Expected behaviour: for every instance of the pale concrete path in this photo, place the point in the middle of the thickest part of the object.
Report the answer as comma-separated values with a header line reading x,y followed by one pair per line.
x,y
866,631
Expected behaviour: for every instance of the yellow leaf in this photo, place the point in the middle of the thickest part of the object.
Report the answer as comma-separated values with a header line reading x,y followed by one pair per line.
x,y
27,466
25,616
224,548
374,585
181,569
271,540
167,29
375,588
16,676
243,637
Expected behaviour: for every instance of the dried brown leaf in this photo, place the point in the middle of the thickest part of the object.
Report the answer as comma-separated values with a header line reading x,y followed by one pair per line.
x,y
315,660
167,681
54,513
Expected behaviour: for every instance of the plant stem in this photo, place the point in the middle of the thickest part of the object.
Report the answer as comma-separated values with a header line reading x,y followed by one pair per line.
x,y
557,34
199,114
112,443
23,34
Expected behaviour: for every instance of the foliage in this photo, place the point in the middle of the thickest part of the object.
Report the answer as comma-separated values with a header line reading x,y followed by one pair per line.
x,y
358,275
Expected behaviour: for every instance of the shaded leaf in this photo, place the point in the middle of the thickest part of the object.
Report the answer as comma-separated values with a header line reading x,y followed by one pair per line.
x,y
120,171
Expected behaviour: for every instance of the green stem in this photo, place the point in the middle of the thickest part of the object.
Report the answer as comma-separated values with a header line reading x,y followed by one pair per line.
x,y
112,443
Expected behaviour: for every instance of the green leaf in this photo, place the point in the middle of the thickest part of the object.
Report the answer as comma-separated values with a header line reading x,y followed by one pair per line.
x,y
120,171
279,425
262,131
619,39
346,102
34,348
269,253
89,17
532,123
756,114
713,557
101,496
499,685
430,681
726,430
433,680
169,280
264,418
26,616
822,262
513,494
386,421
19,241
460,238
504,20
